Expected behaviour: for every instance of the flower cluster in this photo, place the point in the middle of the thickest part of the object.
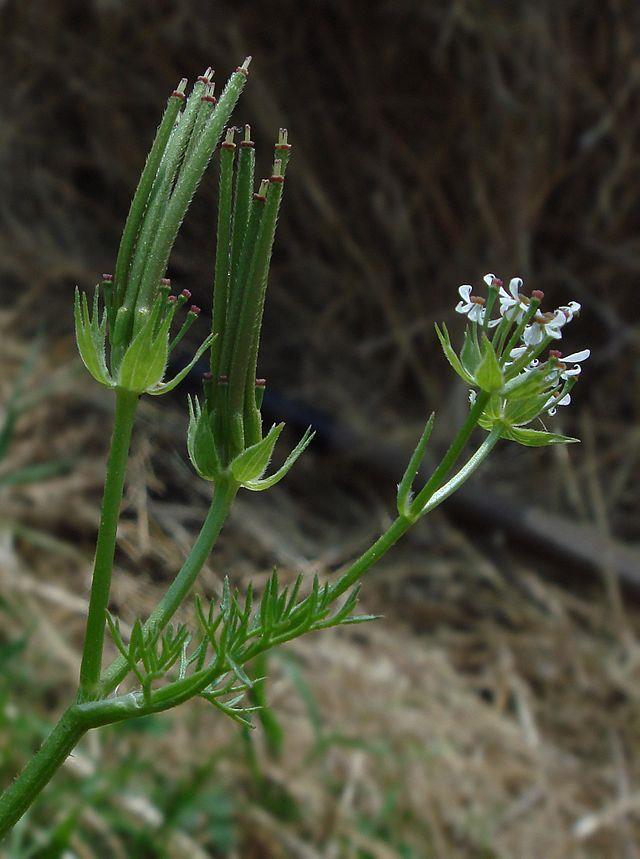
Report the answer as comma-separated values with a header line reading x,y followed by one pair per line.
x,y
503,358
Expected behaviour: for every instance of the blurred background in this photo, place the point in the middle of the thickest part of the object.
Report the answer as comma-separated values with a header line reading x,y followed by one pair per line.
x,y
493,712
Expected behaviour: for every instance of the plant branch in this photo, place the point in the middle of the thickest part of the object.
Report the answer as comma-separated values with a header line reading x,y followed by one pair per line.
x,y
126,404
223,496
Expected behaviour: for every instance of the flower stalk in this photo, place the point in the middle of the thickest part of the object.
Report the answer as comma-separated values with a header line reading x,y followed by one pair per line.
x,y
126,404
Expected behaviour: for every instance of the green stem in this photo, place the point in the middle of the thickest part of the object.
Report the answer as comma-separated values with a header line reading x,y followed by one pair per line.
x,y
223,497
373,554
17,798
402,524
126,403
452,454
465,472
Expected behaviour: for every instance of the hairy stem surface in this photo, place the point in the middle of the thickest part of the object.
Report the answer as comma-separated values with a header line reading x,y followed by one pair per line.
x,y
37,773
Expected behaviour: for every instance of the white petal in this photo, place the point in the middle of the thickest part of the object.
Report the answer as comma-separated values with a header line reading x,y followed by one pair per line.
x,y
573,371
489,278
508,309
464,291
532,335
515,285
476,314
565,400
462,307
577,357
552,411
494,322
518,352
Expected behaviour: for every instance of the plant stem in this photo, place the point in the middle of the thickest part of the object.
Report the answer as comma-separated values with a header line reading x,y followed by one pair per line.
x,y
466,471
373,554
79,718
126,403
455,449
402,524
17,798
223,496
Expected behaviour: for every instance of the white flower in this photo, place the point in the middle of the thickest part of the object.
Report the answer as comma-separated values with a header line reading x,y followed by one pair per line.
x,y
570,310
516,354
544,325
471,305
552,404
513,305
576,359
472,396
491,280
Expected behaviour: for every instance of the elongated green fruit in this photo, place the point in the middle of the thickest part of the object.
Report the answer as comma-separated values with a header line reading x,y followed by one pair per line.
x,y
140,290
258,279
241,214
251,312
141,196
244,262
207,102
191,174
253,297
223,247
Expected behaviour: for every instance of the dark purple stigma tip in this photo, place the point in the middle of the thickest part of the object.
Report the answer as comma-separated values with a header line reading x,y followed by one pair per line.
x,y
172,299
538,294
260,197
107,278
243,71
282,147
176,94
194,309
210,98
276,179
207,377
261,383
555,353
186,294
223,379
